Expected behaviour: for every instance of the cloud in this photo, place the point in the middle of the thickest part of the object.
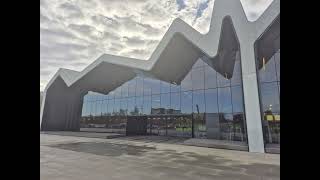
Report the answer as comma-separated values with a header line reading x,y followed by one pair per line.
x,y
181,4
71,11
74,33
201,8
134,41
254,8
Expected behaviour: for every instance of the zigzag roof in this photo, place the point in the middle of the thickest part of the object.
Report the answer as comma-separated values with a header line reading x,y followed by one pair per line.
x,y
181,34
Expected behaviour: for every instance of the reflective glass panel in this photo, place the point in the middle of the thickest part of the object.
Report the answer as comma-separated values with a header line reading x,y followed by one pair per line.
x,y
155,104
165,103
175,103
175,88
110,106
210,77
237,99
186,102
117,92
147,86
139,86
84,109
211,96
155,86
98,108
223,80
198,78
132,88
199,124
268,71
165,87
124,90
139,105
198,63
147,105
104,107
186,83
224,100
198,101
277,61
131,106
116,107
123,106
270,97
236,77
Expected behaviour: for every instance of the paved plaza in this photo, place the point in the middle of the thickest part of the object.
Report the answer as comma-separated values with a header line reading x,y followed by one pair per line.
x,y
83,158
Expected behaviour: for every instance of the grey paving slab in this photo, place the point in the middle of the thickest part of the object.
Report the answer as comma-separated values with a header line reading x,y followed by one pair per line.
x,y
80,158
85,134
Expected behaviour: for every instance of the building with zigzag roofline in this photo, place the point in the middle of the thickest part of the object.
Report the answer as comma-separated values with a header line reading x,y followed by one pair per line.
x,y
223,85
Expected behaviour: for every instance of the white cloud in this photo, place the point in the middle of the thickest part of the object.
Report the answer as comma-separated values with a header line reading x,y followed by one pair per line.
x,y
73,33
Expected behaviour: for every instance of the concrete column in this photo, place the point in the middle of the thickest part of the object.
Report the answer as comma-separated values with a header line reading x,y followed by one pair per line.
x,y
251,99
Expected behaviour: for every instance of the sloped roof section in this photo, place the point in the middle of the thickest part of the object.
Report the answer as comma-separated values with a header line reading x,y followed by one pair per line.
x,y
182,45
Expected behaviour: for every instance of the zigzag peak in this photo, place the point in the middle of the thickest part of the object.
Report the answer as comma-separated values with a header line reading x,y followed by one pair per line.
x,y
207,43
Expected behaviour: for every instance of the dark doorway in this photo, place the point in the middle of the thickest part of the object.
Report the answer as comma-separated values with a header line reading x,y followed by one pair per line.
x,y
137,125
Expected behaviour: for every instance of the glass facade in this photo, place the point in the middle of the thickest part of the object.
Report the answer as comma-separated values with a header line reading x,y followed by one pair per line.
x,y
207,104
269,85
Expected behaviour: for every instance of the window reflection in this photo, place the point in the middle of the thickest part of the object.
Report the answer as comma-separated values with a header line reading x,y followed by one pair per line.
x,y
110,106
175,103
210,77
277,61
155,104
222,80
131,106
165,87
116,108
198,78
139,86
124,90
186,83
165,104
139,105
186,102
269,85
236,77
205,105
211,96
104,107
147,105
174,88
237,99
199,126
132,88
267,73
117,92
198,63
155,86
224,100
84,109
147,86
123,107
270,97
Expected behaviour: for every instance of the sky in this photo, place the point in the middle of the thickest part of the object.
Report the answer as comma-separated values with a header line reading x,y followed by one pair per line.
x,y
74,33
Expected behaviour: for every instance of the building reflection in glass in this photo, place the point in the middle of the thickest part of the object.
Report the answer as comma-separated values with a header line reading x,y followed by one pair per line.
x,y
269,85
207,104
